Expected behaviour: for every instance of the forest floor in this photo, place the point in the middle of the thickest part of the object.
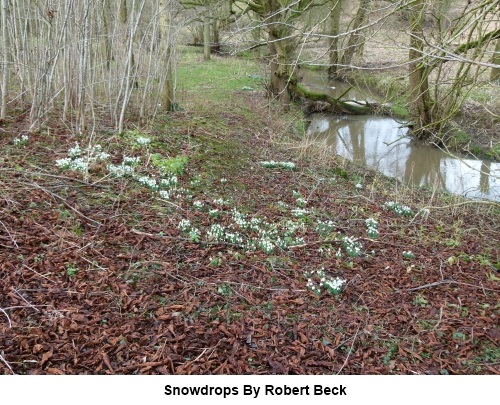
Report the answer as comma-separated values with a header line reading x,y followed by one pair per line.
x,y
197,247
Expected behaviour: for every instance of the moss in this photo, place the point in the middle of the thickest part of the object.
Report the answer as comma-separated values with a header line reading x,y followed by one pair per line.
x,y
173,165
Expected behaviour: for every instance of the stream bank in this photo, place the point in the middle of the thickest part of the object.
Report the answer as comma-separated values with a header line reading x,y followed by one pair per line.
x,y
383,143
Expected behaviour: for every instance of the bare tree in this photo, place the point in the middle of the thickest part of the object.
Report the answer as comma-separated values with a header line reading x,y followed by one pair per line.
x,y
335,54
5,63
356,41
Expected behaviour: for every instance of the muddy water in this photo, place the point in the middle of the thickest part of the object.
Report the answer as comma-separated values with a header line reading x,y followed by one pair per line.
x,y
381,143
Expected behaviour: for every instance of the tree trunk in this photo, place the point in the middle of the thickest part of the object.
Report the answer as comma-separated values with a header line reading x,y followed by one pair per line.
x,y
420,101
334,39
279,69
279,49
356,39
167,91
5,67
336,105
441,9
206,36
106,16
495,72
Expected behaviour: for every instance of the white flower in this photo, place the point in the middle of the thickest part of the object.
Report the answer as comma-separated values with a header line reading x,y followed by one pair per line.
x,y
131,161
120,170
147,181
215,232
170,181
142,140
184,224
164,194
299,212
21,141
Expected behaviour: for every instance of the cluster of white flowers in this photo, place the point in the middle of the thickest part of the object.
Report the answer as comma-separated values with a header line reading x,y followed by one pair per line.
x,y
401,210
74,164
407,254
142,140
271,164
282,205
80,159
194,234
198,204
301,202
234,237
291,227
299,212
122,170
359,186
165,194
219,201
195,182
311,285
332,285
148,182
181,192
266,245
131,161
239,218
75,150
223,180
372,228
325,227
23,140
351,246
215,232
214,213
169,181
184,225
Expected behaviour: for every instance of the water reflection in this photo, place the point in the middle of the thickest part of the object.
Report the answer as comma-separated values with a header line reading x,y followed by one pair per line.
x,y
380,143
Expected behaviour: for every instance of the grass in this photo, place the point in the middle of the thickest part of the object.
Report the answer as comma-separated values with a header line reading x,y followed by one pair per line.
x,y
202,80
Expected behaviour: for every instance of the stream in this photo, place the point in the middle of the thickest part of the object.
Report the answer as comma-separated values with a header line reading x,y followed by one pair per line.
x,y
381,143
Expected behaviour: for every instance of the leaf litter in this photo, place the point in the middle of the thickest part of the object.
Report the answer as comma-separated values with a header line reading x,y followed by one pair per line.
x,y
97,278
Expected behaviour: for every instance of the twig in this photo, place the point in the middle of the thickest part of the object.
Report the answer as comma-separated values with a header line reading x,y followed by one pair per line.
x,y
202,353
350,349
11,237
58,177
7,364
440,318
54,195
445,282
41,275
441,270
8,319
427,285
25,300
